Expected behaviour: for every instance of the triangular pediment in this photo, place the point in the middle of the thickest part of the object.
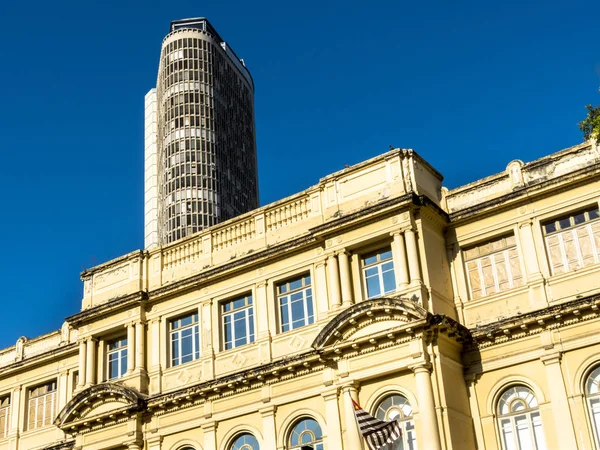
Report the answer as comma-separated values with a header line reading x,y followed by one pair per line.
x,y
100,403
371,318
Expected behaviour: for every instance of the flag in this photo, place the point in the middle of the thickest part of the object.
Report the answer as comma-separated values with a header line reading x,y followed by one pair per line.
x,y
377,433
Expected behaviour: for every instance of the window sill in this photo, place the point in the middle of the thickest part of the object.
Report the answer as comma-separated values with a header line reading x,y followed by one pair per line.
x,y
497,296
187,365
573,273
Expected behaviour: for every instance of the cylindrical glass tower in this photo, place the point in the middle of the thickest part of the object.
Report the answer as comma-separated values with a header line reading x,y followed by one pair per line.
x,y
205,145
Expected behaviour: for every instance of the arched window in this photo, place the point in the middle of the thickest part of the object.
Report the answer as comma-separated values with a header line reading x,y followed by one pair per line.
x,y
245,442
396,407
519,420
592,394
306,434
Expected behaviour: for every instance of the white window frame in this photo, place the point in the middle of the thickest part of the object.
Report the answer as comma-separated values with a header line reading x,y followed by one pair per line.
x,y
513,281
556,228
317,443
122,352
400,410
285,292
378,265
592,400
236,445
38,401
5,413
175,334
511,429
248,317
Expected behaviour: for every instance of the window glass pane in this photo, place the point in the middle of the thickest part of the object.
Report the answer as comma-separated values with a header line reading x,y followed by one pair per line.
x,y
389,281
564,223
385,255
373,289
370,260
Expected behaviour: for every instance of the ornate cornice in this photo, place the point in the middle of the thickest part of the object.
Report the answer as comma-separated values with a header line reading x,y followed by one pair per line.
x,y
535,322
61,446
109,307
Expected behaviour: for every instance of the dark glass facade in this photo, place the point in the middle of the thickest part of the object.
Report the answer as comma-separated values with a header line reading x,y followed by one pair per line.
x,y
206,135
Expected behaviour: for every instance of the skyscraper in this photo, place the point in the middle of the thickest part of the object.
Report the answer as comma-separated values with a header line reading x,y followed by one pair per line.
x,y
200,143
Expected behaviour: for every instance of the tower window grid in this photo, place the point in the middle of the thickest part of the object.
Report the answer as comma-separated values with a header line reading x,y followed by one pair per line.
x,y
207,154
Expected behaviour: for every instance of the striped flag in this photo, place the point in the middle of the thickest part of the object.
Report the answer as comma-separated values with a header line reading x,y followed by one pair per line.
x,y
377,433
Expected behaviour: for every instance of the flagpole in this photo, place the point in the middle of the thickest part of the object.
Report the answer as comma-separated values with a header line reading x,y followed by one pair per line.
x,y
361,439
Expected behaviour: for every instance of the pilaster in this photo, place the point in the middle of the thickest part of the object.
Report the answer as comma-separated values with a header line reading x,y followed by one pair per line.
x,y
561,412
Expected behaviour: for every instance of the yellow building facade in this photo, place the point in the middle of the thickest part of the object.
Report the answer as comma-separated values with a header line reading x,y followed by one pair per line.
x,y
470,315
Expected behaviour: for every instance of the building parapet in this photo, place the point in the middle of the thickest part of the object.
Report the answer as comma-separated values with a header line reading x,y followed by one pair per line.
x,y
519,176
25,348
385,177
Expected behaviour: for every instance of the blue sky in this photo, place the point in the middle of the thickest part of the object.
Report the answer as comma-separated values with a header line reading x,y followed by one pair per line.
x,y
470,85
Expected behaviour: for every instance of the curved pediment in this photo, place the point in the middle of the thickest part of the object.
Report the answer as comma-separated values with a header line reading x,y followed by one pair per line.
x,y
370,317
98,401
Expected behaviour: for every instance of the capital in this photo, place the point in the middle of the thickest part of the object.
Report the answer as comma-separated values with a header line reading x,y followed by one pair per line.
x,y
420,368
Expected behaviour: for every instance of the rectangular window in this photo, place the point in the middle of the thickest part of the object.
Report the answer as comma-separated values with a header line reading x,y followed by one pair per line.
x,y
4,415
295,303
116,356
185,339
493,267
573,241
42,405
378,273
238,322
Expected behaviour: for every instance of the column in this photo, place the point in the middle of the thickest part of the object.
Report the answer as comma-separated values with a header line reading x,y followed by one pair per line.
x,y
130,347
321,290
332,417
90,366
471,380
335,300
134,446
346,279
261,312
399,256
101,371
269,431
561,412
82,364
210,436
413,257
353,439
429,425
140,347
